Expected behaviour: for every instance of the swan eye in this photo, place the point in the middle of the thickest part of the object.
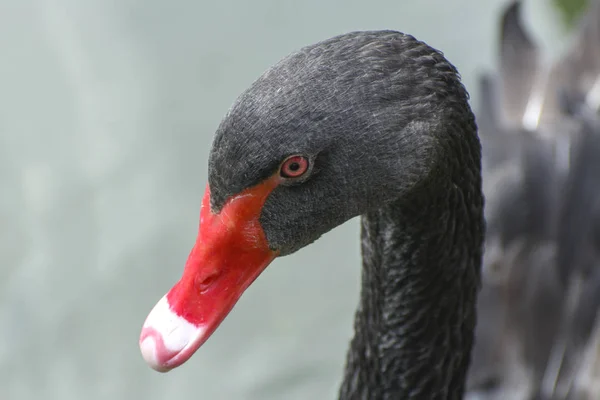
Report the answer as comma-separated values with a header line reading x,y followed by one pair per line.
x,y
294,167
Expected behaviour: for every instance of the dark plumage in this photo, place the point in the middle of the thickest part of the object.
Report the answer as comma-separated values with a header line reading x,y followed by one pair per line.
x,y
386,123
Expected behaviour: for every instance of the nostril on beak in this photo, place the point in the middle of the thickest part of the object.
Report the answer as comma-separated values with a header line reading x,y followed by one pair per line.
x,y
205,283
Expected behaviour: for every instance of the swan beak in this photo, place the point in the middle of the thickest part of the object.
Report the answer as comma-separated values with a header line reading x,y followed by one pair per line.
x,y
231,251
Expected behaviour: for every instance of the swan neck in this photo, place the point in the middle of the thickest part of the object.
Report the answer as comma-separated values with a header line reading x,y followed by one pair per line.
x,y
415,323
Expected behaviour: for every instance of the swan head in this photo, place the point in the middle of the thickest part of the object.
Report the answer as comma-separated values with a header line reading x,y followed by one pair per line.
x,y
330,132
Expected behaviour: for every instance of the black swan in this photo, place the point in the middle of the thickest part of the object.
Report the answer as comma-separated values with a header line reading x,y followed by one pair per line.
x,y
371,123
289,163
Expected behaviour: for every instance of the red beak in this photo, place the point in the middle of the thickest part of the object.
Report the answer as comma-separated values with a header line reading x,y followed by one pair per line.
x,y
230,253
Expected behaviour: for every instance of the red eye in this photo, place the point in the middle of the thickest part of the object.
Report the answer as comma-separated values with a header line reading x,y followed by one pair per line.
x,y
294,167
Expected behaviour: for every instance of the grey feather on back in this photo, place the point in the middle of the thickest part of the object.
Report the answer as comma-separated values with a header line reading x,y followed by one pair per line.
x,y
519,66
539,301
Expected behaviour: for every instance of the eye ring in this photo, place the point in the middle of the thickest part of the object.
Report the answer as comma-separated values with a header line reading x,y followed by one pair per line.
x,y
294,167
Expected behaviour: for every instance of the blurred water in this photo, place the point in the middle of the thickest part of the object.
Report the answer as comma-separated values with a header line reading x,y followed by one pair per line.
x,y
107,111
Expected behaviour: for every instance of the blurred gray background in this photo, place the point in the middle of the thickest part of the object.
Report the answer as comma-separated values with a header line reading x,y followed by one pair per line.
x,y
107,111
